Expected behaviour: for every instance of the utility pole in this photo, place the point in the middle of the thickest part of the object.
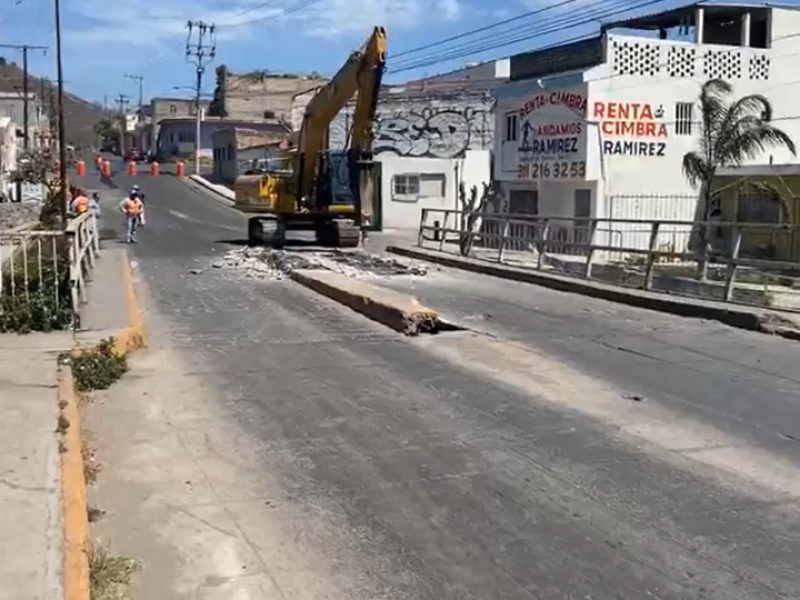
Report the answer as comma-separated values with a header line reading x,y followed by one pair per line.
x,y
25,99
62,133
201,48
140,80
122,103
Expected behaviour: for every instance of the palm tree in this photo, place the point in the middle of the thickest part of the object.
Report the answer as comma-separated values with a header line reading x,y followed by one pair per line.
x,y
730,134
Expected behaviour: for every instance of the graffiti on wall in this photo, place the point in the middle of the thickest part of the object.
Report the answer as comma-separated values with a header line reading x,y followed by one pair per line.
x,y
438,132
433,129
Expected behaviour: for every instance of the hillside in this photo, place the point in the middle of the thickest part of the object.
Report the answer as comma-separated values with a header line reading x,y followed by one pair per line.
x,y
80,115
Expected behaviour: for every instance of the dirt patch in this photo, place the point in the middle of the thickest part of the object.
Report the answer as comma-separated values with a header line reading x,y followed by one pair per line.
x,y
266,263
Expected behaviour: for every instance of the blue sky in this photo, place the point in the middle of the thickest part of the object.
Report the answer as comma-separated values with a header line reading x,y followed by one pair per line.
x,y
104,40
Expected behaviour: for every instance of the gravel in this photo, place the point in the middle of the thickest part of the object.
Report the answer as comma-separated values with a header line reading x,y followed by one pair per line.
x,y
267,263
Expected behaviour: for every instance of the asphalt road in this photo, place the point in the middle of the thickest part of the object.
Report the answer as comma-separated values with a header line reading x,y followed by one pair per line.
x,y
582,451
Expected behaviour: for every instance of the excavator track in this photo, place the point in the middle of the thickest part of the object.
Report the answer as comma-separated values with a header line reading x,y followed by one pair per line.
x,y
267,231
338,233
349,234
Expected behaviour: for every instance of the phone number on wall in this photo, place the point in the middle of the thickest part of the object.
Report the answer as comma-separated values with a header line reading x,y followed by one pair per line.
x,y
552,171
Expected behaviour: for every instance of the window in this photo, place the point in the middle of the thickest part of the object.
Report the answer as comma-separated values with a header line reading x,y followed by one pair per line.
x,y
758,206
683,118
411,187
185,137
511,127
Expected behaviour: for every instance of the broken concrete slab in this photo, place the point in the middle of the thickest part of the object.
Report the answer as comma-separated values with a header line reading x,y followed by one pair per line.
x,y
396,310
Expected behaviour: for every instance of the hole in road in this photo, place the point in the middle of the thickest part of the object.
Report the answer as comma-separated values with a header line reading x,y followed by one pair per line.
x,y
432,326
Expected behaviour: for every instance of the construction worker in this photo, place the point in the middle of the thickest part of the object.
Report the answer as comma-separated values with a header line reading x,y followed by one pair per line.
x,y
94,205
80,203
138,191
133,209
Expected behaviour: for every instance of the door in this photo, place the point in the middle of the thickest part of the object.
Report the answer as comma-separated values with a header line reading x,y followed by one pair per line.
x,y
582,211
523,235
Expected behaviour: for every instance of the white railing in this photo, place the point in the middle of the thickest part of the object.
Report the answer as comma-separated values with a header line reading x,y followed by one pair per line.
x,y
733,265
50,264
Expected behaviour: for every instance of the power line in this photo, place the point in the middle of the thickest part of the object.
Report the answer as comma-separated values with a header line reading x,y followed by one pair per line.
x,y
163,51
484,28
300,6
201,48
596,11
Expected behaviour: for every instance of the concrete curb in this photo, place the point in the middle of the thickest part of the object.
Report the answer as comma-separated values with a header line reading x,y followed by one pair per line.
x,y
75,518
397,311
751,319
133,336
208,188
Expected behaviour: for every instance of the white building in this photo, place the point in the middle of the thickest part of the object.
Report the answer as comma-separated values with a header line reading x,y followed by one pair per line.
x,y
430,138
598,128
8,155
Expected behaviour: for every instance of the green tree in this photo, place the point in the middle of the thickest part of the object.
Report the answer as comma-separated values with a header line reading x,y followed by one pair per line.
x,y
107,131
731,132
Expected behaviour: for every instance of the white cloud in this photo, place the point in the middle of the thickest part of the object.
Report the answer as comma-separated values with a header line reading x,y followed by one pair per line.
x,y
144,25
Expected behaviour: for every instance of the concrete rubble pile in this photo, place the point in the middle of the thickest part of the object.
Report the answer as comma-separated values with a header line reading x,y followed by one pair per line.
x,y
267,263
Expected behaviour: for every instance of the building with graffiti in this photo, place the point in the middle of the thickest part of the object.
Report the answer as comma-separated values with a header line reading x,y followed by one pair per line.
x,y
431,139
599,127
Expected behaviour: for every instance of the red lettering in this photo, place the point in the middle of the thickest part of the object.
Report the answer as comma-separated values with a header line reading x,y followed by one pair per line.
x,y
599,110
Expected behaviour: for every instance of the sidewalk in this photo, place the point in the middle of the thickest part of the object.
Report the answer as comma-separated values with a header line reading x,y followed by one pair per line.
x,y
31,527
30,493
751,318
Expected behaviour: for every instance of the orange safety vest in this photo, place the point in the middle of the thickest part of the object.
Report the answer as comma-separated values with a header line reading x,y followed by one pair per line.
x,y
82,204
133,206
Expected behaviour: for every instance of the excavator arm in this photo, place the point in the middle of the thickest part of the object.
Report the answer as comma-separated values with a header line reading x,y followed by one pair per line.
x,y
361,75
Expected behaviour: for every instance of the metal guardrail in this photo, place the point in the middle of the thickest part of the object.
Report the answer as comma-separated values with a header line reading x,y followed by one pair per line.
x,y
657,255
40,261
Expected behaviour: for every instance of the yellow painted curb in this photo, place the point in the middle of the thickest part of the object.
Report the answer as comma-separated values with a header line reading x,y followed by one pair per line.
x,y
75,519
133,336
396,310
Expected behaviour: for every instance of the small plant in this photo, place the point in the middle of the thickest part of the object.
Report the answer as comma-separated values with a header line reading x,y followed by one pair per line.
x,y
91,468
96,368
40,300
110,575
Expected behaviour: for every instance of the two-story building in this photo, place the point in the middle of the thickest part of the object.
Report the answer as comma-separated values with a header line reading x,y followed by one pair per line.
x,y
161,108
599,127
12,105
258,95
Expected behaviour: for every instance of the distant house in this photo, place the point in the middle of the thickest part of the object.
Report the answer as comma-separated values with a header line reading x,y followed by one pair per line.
x,y
235,150
176,137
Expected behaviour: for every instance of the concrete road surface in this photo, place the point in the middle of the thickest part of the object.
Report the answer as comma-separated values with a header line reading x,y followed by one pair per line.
x,y
580,451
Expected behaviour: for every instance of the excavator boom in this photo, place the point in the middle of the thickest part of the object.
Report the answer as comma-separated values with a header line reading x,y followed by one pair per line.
x,y
299,195
361,75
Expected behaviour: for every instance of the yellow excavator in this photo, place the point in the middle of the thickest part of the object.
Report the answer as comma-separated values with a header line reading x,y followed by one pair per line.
x,y
295,193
